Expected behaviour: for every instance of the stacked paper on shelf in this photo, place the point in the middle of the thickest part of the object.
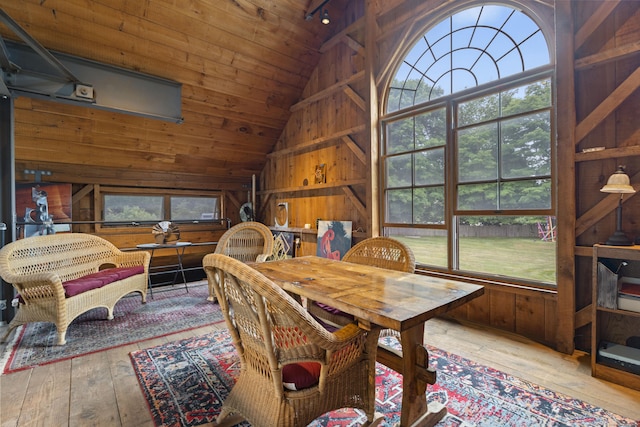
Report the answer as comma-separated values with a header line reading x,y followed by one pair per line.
x,y
629,294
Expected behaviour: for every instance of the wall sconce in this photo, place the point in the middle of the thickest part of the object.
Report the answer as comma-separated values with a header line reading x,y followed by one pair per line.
x,y
618,183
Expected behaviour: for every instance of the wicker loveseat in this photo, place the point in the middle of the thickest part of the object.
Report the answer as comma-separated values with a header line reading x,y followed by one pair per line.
x,y
60,276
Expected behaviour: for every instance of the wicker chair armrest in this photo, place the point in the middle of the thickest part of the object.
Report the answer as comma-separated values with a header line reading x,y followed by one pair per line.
x,y
262,257
133,258
336,340
32,280
38,285
348,333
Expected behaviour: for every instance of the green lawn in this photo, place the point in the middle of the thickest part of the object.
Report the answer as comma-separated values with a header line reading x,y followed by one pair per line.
x,y
527,258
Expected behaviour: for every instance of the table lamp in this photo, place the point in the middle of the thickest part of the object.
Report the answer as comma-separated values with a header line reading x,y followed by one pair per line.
x,y
618,183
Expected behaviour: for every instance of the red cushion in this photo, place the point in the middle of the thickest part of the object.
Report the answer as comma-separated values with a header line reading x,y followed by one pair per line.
x,y
298,376
99,279
333,310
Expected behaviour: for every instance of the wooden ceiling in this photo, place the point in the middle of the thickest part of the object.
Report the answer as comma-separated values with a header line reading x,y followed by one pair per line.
x,y
242,65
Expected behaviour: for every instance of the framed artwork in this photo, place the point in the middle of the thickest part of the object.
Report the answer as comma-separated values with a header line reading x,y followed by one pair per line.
x,y
43,208
334,239
282,215
287,241
320,175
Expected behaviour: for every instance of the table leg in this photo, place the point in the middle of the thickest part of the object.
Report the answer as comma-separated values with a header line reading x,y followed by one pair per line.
x,y
415,378
150,261
180,252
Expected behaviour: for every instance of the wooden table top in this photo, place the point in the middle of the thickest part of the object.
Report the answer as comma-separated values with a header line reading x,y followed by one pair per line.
x,y
384,297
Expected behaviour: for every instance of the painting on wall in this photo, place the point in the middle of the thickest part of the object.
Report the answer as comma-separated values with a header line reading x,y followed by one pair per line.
x,y
43,208
334,239
286,239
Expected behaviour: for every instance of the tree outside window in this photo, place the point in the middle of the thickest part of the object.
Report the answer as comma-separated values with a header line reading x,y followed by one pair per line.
x,y
467,153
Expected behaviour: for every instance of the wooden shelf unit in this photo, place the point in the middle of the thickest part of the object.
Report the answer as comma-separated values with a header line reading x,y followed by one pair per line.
x,y
612,324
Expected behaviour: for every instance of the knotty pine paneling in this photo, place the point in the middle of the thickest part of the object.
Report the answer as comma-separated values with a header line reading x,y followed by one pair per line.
x,y
241,67
501,307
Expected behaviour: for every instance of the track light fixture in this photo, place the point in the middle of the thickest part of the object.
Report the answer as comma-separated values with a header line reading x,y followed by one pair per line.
x,y
324,18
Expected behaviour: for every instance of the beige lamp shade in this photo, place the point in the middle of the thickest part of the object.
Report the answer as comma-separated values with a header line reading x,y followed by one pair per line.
x,y
618,183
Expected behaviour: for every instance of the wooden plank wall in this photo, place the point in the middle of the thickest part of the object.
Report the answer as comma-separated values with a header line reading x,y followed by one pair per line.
x,y
607,78
328,126
237,102
331,118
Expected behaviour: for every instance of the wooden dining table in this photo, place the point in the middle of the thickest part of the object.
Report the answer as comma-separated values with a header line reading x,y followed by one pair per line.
x,y
387,298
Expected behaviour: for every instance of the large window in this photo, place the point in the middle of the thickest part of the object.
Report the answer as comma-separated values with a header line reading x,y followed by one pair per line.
x,y
467,153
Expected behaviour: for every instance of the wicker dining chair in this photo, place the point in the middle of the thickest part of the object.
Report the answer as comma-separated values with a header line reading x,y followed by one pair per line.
x,y
292,369
383,252
246,241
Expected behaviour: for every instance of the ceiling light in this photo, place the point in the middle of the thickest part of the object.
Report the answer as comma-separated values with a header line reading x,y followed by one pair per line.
x,y
325,17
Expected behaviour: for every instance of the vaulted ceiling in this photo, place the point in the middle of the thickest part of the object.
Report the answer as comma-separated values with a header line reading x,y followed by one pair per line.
x,y
242,65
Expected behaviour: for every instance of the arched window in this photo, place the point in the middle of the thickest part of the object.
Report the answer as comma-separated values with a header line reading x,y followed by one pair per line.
x,y
467,152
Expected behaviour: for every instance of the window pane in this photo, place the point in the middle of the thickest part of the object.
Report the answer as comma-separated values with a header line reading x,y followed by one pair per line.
x,y
195,208
471,47
529,194
478,196
428,205
399,204
400,136
479,110
509,246
478,153
431,129
429,246
533,96
429,167
526,146
398,170
133,208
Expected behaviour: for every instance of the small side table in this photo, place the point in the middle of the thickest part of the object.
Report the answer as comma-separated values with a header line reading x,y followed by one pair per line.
x,y
168,268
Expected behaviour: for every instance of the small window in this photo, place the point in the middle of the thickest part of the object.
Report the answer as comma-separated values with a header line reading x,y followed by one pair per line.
x,y
131,208
180,208
195,208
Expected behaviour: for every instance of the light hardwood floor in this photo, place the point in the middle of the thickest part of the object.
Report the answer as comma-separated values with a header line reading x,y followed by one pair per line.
x,y
101,389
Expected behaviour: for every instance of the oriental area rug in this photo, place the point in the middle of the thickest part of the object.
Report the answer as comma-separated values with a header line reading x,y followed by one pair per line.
x,y
166,312
186,381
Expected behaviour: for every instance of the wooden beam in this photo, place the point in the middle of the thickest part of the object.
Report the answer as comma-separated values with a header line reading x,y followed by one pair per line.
x,y
315,142
610,153
316,187
360,154
327,92
263,206
78,195
606,107
340,37
603,208
357,99
354,45
566,185
610,55
233,200
594,21
356,202
583,316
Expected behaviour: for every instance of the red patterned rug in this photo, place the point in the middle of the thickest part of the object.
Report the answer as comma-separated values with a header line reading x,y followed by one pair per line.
x,y
185,383
167,312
